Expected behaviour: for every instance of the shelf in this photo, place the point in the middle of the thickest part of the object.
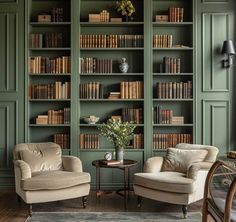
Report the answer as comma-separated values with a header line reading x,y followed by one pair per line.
x,y
50,23
50,74
110,150
174,49
49,100
111,74
172,100
158,150
173,125
109,24
111,100
49,49
99,124
172,74
111,49
49,125
172,23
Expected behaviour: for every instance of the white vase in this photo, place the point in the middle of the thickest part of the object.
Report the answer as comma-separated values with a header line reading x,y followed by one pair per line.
x,y
123,66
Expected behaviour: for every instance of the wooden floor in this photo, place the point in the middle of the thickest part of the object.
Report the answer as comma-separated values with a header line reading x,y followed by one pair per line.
x,y
12,211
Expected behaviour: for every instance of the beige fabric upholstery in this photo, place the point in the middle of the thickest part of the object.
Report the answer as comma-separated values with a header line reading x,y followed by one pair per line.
x,y
51,180
179,160
166,181
176,187
43,175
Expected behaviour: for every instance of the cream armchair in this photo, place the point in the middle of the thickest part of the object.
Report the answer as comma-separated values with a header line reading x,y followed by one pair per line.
x,y
179,177
42,174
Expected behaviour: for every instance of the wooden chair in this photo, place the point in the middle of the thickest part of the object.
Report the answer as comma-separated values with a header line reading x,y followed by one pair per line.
x,y
219,193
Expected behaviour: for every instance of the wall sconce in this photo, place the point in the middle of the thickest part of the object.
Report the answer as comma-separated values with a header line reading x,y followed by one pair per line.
x,y
228,50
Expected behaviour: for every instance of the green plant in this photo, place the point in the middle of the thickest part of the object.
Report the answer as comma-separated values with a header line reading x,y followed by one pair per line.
x,y
118,132
125,7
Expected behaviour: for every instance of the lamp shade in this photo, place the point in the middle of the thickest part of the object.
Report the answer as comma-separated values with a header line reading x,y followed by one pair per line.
x,y
228,47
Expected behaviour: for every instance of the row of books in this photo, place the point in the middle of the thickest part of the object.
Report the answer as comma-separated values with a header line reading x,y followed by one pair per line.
x,y
57,90
57,15
89,141
111,41
131,90
170,65
174,90
134,115
162,41
46,40
40,64
62,139
138,141
94,65
55,117
103,16
176,14
165,116
164,141
91,90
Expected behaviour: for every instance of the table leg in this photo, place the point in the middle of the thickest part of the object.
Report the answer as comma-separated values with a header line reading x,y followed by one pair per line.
x,y
97,181
125,188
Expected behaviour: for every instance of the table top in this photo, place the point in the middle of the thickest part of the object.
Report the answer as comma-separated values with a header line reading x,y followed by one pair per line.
x,y
126,164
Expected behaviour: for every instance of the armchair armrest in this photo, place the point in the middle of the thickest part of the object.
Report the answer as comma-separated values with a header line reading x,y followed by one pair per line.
x,y
194,168
153,164
72,164
24,168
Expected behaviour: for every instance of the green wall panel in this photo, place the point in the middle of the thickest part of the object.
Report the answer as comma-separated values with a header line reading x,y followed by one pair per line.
x,y
11,85
215,77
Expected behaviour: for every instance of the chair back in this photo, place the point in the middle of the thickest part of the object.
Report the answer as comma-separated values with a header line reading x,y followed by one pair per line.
x,y
39,156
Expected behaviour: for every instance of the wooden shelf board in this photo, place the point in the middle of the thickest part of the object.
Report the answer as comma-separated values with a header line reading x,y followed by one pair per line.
x,y
49,125
49,100
111,49
50,74
172,23
111,100
111,74
99,124
50,49
112,24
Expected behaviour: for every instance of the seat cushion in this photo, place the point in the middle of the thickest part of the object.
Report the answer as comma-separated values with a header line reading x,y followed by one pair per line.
x,y
166,181
180,160
52,180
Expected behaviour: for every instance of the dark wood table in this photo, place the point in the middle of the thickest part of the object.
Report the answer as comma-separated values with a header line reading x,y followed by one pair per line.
x,y
125,166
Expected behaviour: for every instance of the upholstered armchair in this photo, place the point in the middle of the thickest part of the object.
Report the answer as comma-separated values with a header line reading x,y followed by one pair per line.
x,y
177,178
42,174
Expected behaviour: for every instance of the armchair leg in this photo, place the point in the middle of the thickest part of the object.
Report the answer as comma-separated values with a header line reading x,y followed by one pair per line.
x,y
30,211
139,201
185,211
84,200
18,198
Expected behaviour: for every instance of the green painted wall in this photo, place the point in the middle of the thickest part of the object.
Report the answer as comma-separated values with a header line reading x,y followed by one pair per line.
x,y
213,107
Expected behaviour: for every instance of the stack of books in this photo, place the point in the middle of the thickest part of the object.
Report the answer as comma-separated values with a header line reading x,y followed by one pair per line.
x,y
92,90
138,141
42,119
131,90
162,41
176,14
114,95
62,139
170,65
89,141
57,15
47,40
134,115
177,120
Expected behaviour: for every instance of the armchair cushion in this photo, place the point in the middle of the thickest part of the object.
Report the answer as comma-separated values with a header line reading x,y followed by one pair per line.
x,y
180,160
52,180
165,181
42,159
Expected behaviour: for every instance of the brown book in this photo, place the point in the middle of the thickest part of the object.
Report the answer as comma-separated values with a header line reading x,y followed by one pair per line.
x,y
110,162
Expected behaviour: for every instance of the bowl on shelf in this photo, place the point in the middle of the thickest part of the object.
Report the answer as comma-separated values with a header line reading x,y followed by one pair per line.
x,y
91,119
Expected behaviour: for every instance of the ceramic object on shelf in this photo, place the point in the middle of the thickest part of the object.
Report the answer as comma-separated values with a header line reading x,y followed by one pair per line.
x,y
124,66
91,119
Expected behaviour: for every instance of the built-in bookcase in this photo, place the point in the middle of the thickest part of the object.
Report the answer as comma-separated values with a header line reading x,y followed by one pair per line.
x,y
81,43
169,103
48,40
